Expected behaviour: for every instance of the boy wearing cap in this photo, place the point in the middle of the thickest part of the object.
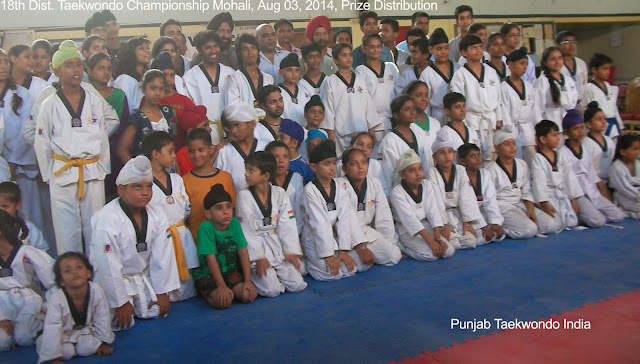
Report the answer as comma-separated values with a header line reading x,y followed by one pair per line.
x,y
415,204
519,104
330,241
295,98
348,107
241,119
207,82
292,134
512,181
594,208
460,208
269,225
313,79
480,84
314,137
271,102
131,249
72,149
170,196
439,73
224,274
313,116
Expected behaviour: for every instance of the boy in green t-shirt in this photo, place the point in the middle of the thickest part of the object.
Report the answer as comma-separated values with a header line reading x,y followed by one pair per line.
x,y
225,272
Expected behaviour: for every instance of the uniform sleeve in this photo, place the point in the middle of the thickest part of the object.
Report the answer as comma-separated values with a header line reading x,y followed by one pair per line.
x,y
287,227
541,86
570,180
321,227
298,208
490,200
50,346
163,268
539,188
29,128
457,83
433,179
588,96
468,203
435,211
388,162
42,141
245,214
329,111
619,181
404,211
43,264
346,227
530,74
372,114
233,94
506,104
383,221
101,315
527,194
107,261
36,239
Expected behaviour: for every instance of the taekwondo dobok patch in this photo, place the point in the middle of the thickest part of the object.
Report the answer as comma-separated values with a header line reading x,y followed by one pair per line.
x,y
168,232
39,131
107,248
26,259
291,215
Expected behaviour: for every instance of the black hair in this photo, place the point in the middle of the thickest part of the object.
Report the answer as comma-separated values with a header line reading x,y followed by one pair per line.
x,y
625,142
217,20
167,23
198,134
461,9
467,148
469,40
592,109
346,155
249,39
42,43
415,32
367,38
506,28
275,144
282,22
492,37
56,266
418,14
86,44
452,98
553,87
127,58
422,44
338,48
395,26
335,36
16,101
413,85
155,141
151,75
396,105
160,43
205,37
307,48
475,27
10,191
544,127
366,15
13,229
438,37
93,60
562,35
355,138
264,161
17,50
264,92
598,60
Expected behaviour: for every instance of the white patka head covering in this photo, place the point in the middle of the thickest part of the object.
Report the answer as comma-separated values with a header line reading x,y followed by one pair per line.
x,y
136,170
442,141
406,159
502,134
242,112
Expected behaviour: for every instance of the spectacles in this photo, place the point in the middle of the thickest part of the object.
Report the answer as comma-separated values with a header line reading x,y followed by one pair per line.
x,y
568,42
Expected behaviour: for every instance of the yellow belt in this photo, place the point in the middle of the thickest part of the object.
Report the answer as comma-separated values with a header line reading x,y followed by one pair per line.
x,y
183,270
75,163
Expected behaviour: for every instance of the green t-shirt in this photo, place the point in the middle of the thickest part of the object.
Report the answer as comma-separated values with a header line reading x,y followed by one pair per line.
x,y
223,244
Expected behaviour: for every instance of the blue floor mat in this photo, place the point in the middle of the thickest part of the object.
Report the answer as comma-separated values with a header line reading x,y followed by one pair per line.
x,y
391,313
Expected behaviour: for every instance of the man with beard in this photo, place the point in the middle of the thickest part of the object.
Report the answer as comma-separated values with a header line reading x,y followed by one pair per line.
x,y
284,30
270,57
270,100
222,24
318,31
112,37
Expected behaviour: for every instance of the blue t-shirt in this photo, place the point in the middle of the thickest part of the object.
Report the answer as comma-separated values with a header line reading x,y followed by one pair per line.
x,y
301,166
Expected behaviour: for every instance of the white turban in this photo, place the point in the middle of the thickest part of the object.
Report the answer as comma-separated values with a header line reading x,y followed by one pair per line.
x,y
502,134
136,170
406,159
442,141
242,112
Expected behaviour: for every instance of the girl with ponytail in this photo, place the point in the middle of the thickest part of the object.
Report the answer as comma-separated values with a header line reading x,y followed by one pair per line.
x,y
558,94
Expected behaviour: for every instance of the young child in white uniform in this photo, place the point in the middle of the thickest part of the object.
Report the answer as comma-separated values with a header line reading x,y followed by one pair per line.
x,y
269,225
72,147
170,196
294,96
594,208
417,214
78,320
329,239
456,130
132,251
364,142
23,268
419,91
624,176
372,209
439,74
600,146
313,80
288,180
459,205
598,89
241,86
574,67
